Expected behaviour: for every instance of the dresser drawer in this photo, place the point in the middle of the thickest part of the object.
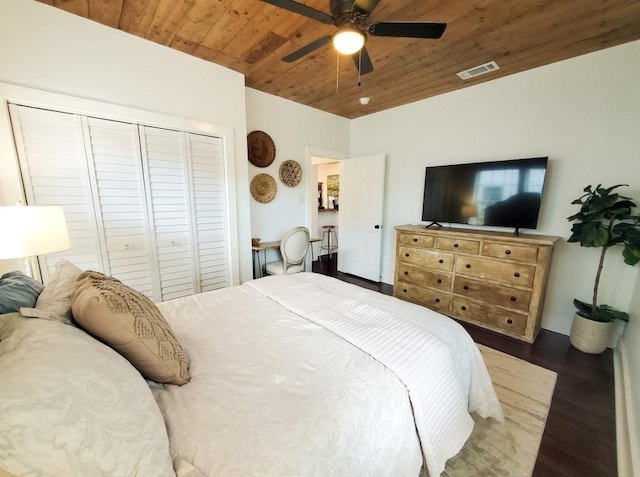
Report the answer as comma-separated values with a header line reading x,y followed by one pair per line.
x,y
510,251
433,299
487,315
424,277
426,258
513,273
416,240
508,297
457,245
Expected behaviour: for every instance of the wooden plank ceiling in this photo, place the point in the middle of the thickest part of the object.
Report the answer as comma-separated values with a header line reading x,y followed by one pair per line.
x,y
251,37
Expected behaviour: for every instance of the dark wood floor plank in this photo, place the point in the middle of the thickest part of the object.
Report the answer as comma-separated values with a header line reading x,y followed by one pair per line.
x,y
580,436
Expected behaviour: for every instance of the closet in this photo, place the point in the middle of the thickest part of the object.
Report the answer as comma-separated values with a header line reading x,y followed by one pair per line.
x,y
144,204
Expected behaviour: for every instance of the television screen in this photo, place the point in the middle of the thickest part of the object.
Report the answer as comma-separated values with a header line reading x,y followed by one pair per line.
x,y
496,193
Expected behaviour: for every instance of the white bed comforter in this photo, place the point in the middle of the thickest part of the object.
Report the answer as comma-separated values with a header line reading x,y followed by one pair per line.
x,y
307,375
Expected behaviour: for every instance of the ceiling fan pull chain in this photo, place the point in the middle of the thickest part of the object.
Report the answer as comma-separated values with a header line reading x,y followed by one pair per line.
x,y
337,71
359,66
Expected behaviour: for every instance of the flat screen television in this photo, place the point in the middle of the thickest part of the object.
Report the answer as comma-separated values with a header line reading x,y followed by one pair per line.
x,y
494,193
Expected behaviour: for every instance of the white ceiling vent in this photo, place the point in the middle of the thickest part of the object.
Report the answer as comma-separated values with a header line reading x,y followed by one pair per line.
x,y
478,70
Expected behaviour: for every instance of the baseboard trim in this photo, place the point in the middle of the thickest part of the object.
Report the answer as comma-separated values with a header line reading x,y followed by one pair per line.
x,y
628,444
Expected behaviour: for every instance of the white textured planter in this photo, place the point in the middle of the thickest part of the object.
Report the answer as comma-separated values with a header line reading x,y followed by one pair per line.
x,y
589,336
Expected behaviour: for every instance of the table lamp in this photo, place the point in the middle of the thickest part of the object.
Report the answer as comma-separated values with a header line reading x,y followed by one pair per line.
x,y
32,230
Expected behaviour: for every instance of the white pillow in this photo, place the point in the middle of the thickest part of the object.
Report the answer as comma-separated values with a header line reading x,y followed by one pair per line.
x,y
54,303
70,405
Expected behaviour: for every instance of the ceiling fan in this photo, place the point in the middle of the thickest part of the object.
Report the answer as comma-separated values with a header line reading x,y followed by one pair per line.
x,y
350,18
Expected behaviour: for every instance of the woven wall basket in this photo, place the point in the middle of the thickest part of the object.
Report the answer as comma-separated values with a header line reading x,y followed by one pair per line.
x,y
261,149
263,188
290,173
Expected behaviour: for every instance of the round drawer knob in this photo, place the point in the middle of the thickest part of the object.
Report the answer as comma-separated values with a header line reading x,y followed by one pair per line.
x,y
463,308
455,245
439,280
468,265
440,261
513,298
516,274
406,254
510,321
466,287
406,273
507,252
415,239
404,290
437,300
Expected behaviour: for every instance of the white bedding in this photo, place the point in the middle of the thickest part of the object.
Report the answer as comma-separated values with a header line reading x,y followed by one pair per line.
x,y
307,375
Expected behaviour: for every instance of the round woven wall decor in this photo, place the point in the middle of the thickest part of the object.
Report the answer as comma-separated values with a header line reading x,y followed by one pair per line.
x,y
262,150
290,173
263,188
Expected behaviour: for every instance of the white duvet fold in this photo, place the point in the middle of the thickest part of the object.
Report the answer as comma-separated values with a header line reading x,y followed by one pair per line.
x,y
431,354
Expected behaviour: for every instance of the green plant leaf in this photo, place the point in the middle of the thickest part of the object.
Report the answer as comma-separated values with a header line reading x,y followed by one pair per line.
x,y
631,251
602,313
583,308
612,313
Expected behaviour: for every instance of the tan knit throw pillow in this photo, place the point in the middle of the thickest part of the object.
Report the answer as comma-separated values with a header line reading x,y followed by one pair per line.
x,y
131,324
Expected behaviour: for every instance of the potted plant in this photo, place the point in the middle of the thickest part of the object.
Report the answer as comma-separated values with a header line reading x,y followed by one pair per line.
x,y
605,219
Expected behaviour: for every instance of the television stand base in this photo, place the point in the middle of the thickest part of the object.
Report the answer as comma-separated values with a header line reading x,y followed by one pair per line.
x,y
433,224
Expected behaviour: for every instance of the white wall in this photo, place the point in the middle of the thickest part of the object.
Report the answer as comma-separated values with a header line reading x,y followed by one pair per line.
x,y
295,130
583,113
628,391
47,49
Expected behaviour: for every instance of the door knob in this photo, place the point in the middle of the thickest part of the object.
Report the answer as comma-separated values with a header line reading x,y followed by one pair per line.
x,y
376,226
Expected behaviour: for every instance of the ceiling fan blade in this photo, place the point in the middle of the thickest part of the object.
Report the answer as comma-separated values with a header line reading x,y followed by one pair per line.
x,y
302,10
408,29
363,61
305,50
366,6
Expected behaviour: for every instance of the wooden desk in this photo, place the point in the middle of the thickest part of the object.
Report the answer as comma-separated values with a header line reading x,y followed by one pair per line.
x,y
264,246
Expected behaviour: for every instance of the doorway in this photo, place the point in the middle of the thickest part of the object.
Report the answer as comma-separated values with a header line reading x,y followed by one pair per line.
x,y
320,163
327,173
359,222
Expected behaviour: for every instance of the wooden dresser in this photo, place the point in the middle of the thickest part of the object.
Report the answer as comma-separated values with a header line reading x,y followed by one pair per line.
x,y
491,279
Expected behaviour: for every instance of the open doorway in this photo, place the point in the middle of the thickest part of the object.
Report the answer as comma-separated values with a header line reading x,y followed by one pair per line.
x,y
327,173
322,211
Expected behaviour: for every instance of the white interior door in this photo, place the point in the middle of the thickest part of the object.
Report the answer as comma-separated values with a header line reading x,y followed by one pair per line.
x,y
360,216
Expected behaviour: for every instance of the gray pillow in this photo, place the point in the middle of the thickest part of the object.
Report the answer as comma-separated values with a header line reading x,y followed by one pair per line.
x,y
18,290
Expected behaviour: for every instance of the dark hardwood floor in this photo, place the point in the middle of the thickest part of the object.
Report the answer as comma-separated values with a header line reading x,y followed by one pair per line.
x,y
580,435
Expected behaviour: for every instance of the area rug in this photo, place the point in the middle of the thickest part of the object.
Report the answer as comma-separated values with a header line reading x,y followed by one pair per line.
x,y
510,448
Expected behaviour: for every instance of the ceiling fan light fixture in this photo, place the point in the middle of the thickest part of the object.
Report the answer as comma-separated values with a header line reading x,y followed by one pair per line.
x,y
348,41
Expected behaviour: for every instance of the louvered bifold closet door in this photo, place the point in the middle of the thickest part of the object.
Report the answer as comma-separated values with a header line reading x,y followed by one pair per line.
x,y
116,171
167,169
210,210
53,165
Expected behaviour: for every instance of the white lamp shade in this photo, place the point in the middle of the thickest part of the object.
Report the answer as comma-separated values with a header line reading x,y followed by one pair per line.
x,y
32,230
348,41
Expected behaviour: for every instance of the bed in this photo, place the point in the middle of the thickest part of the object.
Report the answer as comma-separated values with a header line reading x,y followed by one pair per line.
x,y
287,375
